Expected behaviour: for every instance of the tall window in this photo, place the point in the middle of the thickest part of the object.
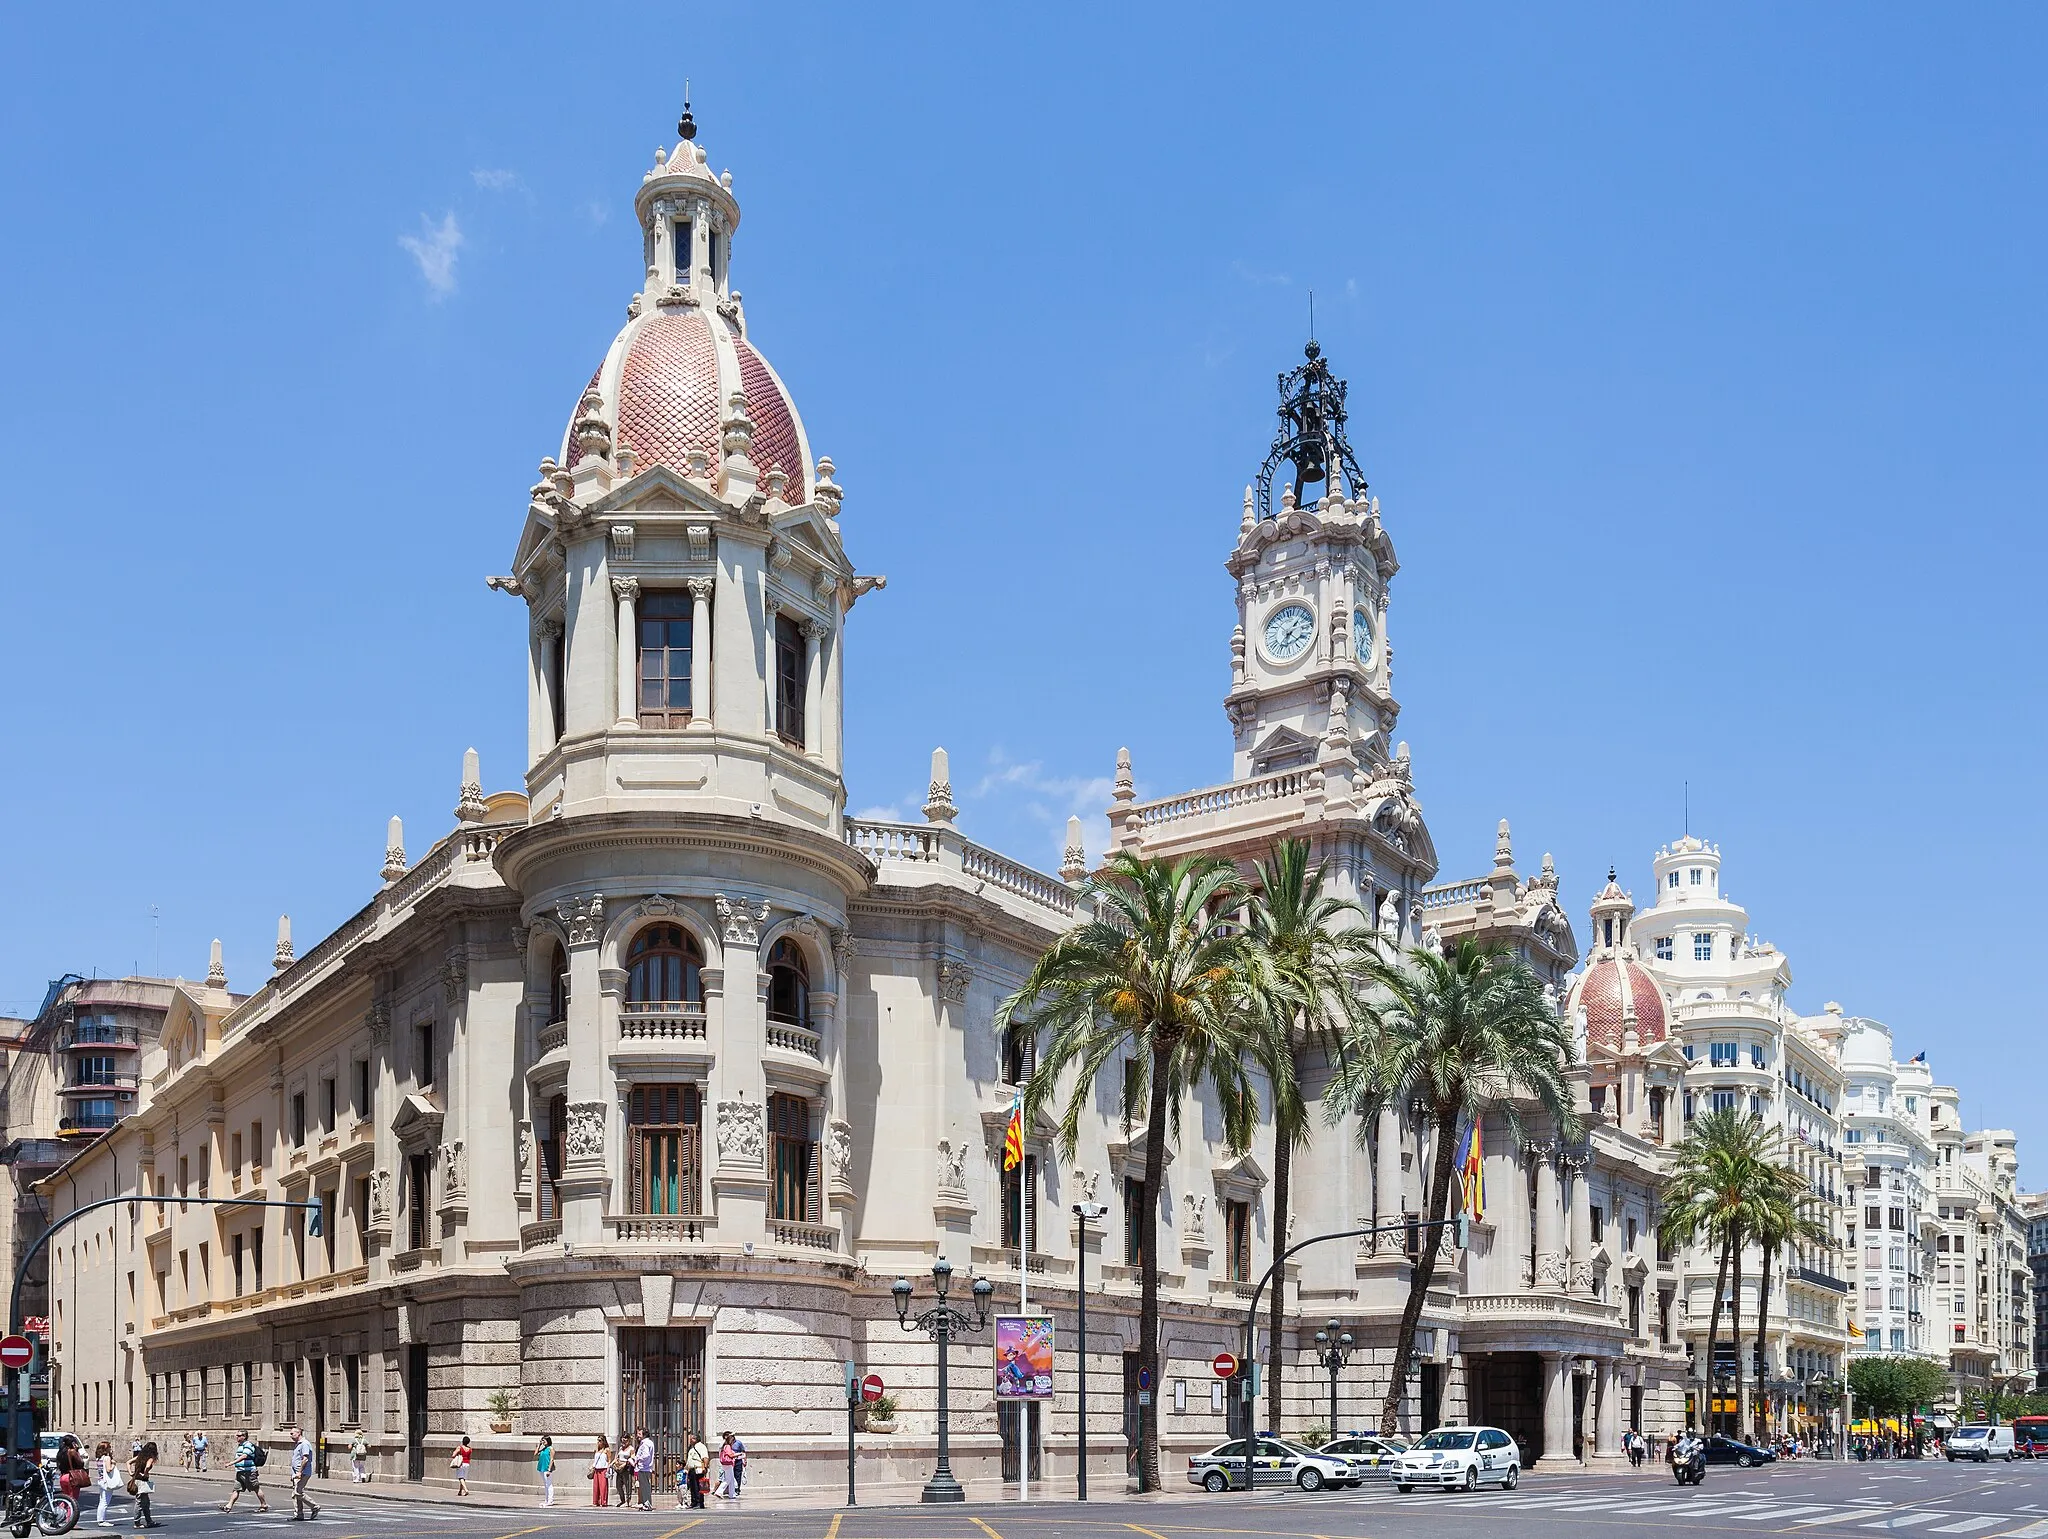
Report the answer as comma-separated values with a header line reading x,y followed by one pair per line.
x,y
795,1159
789,681
558,675
549,1195
419,1171
1663,948
665,639
1703,947
94,1070
683,251
1134,1221
789,985
558,985
1237,1240
663,1140
362,1101
1008,1181
424,1066
298,1120
1020,1054
663,966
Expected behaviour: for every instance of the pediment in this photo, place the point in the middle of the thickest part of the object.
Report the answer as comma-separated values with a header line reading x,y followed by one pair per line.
x,y
808,527
1131,1154
1283,748
1241,1180
1038,1127
657,489
418,1118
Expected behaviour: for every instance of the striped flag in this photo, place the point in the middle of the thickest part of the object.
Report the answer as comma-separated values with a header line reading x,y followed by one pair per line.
x,y
1472,1176
1013,1135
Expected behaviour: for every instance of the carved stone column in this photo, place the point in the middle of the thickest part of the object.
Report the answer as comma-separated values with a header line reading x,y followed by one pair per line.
x,y
814,688
627,591
1387,1180
700,651
585,1185
1576,1164
1550,1255
1607,1424
1557,1413
739,1174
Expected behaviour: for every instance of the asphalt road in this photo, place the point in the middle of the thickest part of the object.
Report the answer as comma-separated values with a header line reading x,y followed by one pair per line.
x,y
1828,1501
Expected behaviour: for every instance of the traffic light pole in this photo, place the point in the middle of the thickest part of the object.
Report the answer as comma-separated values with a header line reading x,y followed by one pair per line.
x,y
21,1397
1251,1315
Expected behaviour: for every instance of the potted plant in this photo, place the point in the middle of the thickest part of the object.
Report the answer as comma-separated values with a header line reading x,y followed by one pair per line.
x,y
501,1410
879,1415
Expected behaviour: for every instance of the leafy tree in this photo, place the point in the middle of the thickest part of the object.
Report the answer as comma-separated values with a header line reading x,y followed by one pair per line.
x,y
1307,951
1462,1034
1158,974
1781,1215
1894,1386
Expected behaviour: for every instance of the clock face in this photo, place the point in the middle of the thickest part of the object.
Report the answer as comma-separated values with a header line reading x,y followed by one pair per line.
x,y
1289,630
1361,634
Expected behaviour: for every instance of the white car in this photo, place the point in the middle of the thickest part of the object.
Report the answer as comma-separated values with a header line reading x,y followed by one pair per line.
x,y
1980,1443
1460,1458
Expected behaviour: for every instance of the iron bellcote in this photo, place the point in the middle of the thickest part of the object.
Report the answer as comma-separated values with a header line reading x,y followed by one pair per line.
x,y
1311,433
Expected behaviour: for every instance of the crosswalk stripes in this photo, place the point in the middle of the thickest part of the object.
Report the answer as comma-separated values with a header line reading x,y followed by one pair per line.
x,y
1968,1525
1893,1520
2031,1531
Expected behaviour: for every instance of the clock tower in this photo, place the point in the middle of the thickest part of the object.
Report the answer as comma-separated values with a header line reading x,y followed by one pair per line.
x,y
1311,673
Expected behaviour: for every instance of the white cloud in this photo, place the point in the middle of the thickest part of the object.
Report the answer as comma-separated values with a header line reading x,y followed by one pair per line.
x,y
1260,278
1047,801
597,213
434,249
495,181
881,814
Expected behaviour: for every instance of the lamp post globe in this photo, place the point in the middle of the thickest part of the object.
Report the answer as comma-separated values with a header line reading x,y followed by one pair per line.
x,y
941,1322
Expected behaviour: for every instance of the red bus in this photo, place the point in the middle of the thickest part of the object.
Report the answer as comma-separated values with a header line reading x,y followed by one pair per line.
x,y
2030,1436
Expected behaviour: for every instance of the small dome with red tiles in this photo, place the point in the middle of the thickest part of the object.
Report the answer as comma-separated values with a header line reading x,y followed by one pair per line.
x,y
682,365
1610,990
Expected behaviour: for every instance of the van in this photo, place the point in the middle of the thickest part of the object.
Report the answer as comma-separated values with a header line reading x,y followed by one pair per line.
x,y
1980,1443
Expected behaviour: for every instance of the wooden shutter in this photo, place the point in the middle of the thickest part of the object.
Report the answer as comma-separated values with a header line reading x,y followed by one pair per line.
x,y
1031,1203
814,1186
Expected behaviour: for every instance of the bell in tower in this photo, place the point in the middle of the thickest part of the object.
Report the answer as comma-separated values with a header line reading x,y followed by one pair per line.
x,y
1311,433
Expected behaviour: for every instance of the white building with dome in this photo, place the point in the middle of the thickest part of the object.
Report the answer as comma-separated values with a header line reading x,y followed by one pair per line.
x,y
625,1101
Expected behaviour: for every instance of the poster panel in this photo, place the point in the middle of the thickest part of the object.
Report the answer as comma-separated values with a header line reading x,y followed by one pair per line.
x,y
1023,1357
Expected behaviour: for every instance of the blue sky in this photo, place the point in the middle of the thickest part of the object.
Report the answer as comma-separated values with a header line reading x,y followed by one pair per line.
x,y
1696,359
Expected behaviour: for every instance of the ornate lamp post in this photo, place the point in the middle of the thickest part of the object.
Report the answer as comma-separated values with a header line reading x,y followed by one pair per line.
x,y
1333,1351
1084,1212
941,1322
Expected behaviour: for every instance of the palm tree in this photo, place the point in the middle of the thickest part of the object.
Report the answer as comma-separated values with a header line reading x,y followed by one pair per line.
x,y
1461,1034
1157,975
1717,1174
1782,1217
1307,950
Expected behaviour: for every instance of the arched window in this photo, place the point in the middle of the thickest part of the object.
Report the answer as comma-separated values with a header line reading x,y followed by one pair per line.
x,y
789,986
664,967
558,985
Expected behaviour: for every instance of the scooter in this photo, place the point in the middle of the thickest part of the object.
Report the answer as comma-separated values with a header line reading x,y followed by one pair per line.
x,y
1690,1471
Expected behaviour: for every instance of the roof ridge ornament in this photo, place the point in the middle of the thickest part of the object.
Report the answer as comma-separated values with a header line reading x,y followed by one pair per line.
x,y
1311,433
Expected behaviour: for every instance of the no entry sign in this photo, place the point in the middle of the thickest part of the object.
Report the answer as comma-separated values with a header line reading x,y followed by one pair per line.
x,y
871,1388
16,1353
1223,1365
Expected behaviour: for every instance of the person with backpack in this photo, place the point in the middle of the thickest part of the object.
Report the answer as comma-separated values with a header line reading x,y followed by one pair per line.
x,y
249,1458
358,1458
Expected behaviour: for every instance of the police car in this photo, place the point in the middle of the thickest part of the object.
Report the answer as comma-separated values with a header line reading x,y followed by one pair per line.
x,y
1274,1463
1460,1458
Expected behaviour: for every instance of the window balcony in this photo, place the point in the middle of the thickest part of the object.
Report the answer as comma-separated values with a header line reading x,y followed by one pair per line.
x,y
784,1231
100,1084
657,1229
88,1037
554,1037
660,1021
790,1037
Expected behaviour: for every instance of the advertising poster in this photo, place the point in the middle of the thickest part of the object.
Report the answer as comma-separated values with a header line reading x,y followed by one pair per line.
x,y
1023,1357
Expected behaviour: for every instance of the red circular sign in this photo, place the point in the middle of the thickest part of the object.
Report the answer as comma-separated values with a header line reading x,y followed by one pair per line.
x,y
871,1388
1224,1364
16,1352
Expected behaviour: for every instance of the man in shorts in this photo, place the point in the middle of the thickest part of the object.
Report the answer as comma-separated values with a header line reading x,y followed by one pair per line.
x,y
302,1471
248,1475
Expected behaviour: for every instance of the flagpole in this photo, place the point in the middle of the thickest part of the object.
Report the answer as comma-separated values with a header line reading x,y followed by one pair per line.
x,y
1023,1308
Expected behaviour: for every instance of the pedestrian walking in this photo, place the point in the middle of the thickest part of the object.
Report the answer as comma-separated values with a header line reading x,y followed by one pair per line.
x,y
695,1462
544,1461
459,1462
728,1457
622,1467
106,1474
302,1472
601,1473
739,1463
199,1452
249,1459
185,1453
643,1470
140,1485
359,1459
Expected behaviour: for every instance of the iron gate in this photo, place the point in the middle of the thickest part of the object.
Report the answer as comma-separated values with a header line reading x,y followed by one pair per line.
x,y
661,1388
416,1412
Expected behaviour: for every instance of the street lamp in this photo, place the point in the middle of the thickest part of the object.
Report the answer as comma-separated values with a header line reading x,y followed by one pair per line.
x,y
1333,1351
941,1322
1083,1212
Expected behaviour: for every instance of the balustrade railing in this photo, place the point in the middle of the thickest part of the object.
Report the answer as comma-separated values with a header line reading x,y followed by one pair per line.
x,y
1451,894
791,1038
659,1228
1213,799
927,844
894,841
1007,874
666,1021
785,1231
553,1036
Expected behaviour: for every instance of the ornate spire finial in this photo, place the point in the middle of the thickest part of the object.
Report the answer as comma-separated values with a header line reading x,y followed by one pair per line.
x,y
1074,861
469,807
394,850
938,802
686,125
1503,846
216,969
282,957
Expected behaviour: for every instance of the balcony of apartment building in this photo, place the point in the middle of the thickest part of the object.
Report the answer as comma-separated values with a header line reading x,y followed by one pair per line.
x,y
92,1034
98,1078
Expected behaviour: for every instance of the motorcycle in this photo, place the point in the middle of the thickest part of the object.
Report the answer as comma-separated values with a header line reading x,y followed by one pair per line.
x,y
35,1501
1692,1469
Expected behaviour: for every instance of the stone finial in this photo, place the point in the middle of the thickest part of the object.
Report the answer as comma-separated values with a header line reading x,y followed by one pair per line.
x,y
394,851
826,490
777,479
216,969
1123,788
1074,862
470,808
593,433
283,957
938,801
1250,521
737,436
1503,846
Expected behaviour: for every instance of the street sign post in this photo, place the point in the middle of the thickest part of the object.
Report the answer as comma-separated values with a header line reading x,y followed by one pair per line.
x,y
16,1353
859,1392
1223,1365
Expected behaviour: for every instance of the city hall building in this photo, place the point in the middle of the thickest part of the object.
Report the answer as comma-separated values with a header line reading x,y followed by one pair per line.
x,y
625,1101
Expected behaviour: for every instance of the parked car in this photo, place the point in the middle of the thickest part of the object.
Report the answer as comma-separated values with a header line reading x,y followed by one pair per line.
x,y
1728,1450
1274,1463
49,1443
1980,1443
1369,1455
1467,1457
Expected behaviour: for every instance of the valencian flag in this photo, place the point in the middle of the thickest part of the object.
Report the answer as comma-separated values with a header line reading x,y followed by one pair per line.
x,y
1013,1135
1472,1176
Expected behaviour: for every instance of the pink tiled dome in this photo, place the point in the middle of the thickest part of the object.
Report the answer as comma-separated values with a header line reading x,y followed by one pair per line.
x,y
664,385
1606,991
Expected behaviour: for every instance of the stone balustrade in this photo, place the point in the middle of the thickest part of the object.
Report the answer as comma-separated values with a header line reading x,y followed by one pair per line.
x,y
660,1228
788,1037
784,1231
939,848
1154,817
664,1021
